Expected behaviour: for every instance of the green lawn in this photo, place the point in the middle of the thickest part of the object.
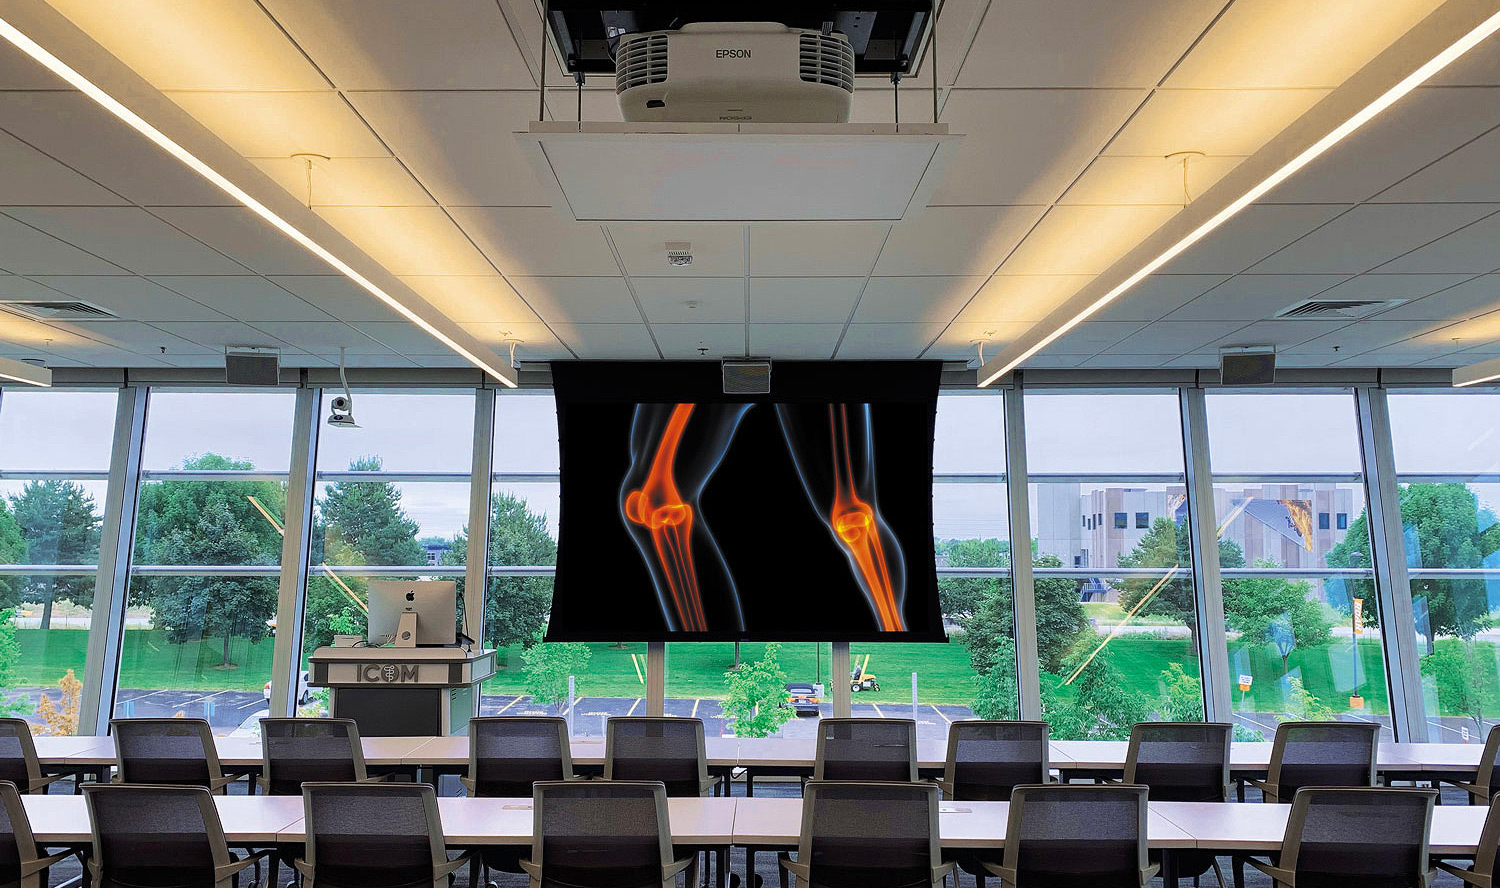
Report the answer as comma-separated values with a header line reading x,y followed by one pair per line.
x,y
147,660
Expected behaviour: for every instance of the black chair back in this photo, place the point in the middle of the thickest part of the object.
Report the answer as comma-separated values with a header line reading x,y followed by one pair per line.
x,y
1330,753
1180,761
18,761
295,751
600,834
867,750
1489,764
869,835
166,751
987,759
665,749
1374,838
508,755
155,835
1077,834
372,835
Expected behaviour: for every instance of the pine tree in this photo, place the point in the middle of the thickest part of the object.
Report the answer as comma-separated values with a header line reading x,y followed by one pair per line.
x,y
59,522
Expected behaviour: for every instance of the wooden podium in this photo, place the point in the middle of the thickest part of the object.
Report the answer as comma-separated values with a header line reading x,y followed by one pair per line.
x,y
402,691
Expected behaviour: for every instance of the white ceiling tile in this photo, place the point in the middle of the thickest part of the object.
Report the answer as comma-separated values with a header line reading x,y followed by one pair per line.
x,y
683,341
69,127
1166,337
409,240
955,240
32,177
107,356
206,44
1369,235
957,341
576,300
1145,180
1079,43
1393,286
134,298
280,124
24,250
887,341
930,299
1001,162
815,249
537,343
1404,355
21,71
1254,297
1468,250
1125,362
27,333
1287,335
347,182
321,337
1198,361
240,234
380,44
128,237
1157,296
718,250
827,300
1479,66
716,300
1017,297
460,145
1291,43
537,241
1469,299
135,337
1085,240
794,341
1257,232
1216,122
1477,332
338,296
1414,132
1091,337
609,341
470,298
243,297
402,337
221,334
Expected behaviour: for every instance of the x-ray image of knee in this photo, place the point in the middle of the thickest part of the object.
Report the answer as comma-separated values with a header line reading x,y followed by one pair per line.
x,y
833,448
675,449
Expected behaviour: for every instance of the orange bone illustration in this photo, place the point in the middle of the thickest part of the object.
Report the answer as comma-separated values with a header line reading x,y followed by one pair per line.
x,y
854,522
659,507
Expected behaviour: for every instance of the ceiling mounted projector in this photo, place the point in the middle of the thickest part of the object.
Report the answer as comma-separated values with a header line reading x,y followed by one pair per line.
x,y
735,72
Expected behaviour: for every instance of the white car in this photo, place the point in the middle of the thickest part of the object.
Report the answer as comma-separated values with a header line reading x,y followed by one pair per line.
x,y
250,727
304,695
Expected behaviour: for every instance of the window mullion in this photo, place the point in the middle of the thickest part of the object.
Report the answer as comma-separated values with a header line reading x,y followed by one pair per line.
x,y
295,551
1203,535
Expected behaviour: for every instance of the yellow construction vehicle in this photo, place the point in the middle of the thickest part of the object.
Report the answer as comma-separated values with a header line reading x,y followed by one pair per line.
x,y
861,679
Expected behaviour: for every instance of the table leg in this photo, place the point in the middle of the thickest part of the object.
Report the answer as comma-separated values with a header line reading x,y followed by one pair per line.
x,y
1168,869
722,876
749,867
749,783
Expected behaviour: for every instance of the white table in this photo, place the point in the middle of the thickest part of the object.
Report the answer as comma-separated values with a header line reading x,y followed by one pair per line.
x,y
1261,827
248,820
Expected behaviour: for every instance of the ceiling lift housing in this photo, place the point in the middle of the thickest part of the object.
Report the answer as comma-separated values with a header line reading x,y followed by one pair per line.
x,y
735,72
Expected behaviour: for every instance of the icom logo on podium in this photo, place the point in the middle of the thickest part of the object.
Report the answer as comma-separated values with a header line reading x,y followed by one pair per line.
x,y
386,673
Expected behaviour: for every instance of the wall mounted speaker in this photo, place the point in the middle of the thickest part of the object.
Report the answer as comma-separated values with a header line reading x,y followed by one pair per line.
x,y
1247,367
747,377
252,366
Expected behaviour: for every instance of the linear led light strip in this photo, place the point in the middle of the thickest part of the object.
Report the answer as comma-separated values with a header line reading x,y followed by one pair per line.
x,y
20,371
1365,114
1474,374
140,125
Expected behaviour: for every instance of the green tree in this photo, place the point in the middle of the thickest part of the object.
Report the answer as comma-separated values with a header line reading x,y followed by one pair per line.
x,y
548,665
1165,546
755,696
995,691
1101,707
1183,700
60,526
12,551
10,655
1444,527
959,596
516,607
1459,670
1304,704
1059,618
1266,610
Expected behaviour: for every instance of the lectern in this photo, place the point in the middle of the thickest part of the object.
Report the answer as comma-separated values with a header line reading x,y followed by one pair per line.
x,y
402,692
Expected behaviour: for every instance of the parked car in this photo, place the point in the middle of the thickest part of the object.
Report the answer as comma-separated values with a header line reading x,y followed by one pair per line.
x,y
250,727
802,697
304,695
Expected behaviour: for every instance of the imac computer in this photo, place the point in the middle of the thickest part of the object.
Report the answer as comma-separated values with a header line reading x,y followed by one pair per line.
x,y
409,613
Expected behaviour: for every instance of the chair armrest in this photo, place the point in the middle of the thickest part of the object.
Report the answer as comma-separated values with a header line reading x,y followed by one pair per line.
x,y
1278,875
303,868
795,867
468,784
531,869
1148,873
1267,790
1007,875
230,869
707,785
217,783
46,780
943,871
671,870
945,788
1467,875
378,778
32,867
444,869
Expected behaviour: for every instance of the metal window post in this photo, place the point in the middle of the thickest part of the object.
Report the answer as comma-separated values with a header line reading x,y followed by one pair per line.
x,y
296,544
1392,585
477,558
1203,536
1023,585
838,674
116,539
656,678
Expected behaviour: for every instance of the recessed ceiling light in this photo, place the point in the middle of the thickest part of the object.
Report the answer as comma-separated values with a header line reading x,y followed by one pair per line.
x,y
1474,374
1003,365
57,66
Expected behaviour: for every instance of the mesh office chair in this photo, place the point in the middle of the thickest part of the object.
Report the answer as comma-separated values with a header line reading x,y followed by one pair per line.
x,y
1319,754
295,751
167,752
1487,780
1360,838
592,834
374,835
1182,762
986,759
1076,834
507,757
867,749
1482,873
18,761
159,835
868,835
22,865
665,749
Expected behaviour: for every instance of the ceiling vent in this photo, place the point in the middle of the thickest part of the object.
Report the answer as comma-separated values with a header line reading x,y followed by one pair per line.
x,y
1335,309
58,310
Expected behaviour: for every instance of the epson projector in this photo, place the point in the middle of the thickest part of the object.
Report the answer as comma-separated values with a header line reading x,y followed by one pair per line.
x,y
735,72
